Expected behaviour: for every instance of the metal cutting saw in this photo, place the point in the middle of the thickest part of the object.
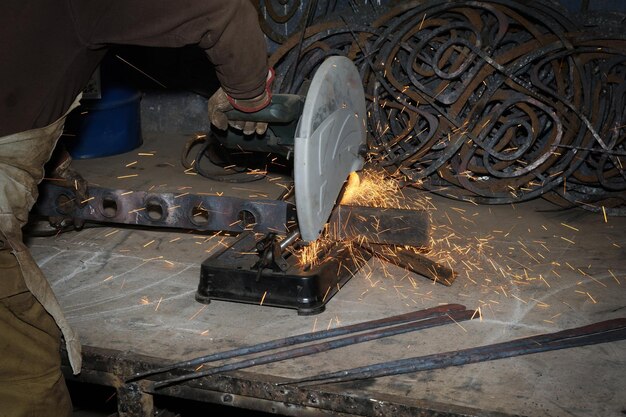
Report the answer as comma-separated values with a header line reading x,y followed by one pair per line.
x,y
324,132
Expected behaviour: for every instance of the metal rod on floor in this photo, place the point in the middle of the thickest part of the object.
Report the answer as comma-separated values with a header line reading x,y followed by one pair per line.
x,y
602,332
452,317
307,337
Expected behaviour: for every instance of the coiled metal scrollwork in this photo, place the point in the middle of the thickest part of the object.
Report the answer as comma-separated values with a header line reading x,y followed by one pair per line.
x,y
489,101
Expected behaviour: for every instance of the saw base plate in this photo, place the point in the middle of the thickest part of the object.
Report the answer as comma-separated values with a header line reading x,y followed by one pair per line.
x,y
230,275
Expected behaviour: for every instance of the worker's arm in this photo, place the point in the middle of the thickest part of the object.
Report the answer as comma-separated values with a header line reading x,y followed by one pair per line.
x,y
50,48
227,30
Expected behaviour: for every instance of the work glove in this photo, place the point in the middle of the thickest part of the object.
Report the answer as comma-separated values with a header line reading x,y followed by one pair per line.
x,y
64,175
221,102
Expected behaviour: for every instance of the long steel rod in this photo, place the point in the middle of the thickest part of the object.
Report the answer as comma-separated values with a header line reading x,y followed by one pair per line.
x,y
449,318
308,337
602,332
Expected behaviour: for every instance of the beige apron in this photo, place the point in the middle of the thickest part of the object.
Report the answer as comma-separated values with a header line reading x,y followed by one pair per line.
x,y
22,157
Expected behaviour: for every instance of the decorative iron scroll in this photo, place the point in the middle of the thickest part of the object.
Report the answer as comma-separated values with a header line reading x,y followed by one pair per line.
x,y
280,19
490,101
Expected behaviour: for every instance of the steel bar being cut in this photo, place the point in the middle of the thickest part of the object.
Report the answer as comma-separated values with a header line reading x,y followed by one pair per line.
x,y
601,332
381,225
451,317
414,262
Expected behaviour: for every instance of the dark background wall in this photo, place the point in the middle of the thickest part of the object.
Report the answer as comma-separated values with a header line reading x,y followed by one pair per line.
x,y
595,5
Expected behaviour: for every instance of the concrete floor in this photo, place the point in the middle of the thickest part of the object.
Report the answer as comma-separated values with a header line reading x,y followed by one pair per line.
x,y
526,268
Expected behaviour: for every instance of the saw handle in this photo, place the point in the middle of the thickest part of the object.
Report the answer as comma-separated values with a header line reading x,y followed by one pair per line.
x,y
284,108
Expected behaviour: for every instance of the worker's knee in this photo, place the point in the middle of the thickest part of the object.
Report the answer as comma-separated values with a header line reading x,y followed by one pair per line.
x,y
43,396
31,383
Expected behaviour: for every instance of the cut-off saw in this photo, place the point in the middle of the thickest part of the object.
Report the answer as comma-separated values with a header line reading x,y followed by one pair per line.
x,y
324,133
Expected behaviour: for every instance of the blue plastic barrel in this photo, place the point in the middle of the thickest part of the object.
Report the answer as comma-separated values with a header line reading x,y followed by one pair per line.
x,y
108,126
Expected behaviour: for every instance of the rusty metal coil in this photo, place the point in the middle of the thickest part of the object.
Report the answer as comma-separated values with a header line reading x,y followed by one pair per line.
x,y
280,19
489,101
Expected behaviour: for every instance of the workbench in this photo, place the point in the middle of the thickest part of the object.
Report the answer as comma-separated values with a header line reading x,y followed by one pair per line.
x,y
527,268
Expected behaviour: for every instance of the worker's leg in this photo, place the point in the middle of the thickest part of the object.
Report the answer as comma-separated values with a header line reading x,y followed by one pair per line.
x,y
31,383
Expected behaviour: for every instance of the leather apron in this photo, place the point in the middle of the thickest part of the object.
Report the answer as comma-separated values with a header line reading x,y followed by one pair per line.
x,y
22,158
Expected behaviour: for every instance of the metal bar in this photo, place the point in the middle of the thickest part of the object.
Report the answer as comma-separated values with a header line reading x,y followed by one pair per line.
x,y
602,332
380,225
414,262
288,240
307,337
449,318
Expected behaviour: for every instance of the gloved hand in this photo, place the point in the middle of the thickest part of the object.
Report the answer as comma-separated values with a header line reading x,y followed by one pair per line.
x,y
221,102
65,176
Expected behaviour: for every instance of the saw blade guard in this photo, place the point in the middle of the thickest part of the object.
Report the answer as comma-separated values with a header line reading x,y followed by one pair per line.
x,y
328,143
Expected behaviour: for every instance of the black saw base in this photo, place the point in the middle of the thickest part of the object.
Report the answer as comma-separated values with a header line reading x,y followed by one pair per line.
x,y
230,275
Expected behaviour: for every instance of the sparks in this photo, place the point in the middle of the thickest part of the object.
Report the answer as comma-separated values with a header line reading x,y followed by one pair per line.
x,y
197,312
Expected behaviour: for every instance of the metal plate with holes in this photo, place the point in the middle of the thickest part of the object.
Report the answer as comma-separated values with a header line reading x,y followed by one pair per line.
x,y
186,211
228,214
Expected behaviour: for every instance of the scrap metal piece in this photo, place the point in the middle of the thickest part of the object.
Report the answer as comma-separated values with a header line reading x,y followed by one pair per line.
x,y
256,391
493,101
601,332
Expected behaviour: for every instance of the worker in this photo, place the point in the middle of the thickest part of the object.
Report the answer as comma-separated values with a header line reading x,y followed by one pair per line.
x,y
50,48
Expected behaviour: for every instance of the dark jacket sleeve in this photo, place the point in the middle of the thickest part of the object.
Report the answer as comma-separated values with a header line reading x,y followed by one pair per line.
x,y
227,30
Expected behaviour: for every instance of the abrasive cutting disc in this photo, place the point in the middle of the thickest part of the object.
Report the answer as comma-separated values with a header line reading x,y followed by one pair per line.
x,y
329,137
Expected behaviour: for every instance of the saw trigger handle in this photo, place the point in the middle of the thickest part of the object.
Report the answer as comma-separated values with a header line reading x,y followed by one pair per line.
x,y
284,108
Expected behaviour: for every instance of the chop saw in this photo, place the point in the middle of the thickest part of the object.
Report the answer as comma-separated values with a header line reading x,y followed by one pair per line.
x,y
324,132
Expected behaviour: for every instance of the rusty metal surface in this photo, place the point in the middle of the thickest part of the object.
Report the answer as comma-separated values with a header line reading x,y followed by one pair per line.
x,y
133,402
488,101
281,19
259,392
